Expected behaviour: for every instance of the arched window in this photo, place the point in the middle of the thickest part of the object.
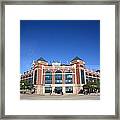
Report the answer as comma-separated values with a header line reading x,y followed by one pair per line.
x,y
48,77
35,77
82,77
68,78
58,77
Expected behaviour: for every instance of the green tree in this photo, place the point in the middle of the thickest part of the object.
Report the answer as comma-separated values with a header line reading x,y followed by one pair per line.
x,y
26,84
92,86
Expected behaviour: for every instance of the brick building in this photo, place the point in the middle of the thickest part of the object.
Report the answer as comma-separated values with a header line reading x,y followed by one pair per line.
x,y
56,77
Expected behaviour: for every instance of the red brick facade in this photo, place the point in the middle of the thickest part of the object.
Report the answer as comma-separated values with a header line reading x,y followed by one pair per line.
x,y
70,78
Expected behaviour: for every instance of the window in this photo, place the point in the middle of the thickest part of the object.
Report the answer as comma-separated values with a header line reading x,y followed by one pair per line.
x,y
90,79
48,89
81,65
87,81
48,77
93,79
58,90
30,81
58,77
82,77
68,78
35,77
69,89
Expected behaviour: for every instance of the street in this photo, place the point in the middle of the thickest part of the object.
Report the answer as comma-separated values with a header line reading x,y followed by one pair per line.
x,y
59,97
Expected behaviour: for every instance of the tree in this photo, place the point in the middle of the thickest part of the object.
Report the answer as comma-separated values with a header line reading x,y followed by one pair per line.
x,y
25,84
92,86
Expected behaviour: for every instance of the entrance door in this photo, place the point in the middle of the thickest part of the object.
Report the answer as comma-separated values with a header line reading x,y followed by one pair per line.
x,y
58,90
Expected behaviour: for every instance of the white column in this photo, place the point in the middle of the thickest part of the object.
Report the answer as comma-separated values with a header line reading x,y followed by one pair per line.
x,y
33,75
37,75
63,90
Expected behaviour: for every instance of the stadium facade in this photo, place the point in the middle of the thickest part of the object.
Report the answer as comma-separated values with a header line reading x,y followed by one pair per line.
x,y
56,77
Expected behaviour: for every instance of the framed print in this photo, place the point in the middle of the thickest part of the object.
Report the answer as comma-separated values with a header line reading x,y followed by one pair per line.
x,y
60,59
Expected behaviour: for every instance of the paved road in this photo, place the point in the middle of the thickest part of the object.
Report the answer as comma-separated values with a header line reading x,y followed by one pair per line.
x,y
59,97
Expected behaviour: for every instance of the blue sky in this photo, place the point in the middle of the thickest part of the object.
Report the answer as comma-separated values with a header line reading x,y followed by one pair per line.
x,y
60,40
